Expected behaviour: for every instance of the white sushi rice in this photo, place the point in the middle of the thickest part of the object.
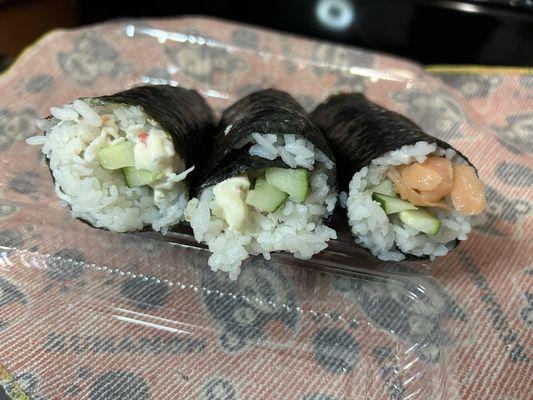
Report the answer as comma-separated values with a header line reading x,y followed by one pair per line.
x,y
72,139
294,150
297,228
385,235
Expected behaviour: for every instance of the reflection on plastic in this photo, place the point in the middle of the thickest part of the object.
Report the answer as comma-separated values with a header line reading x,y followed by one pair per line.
x,y
335,14
162,35
316,329
141,317
4,259
330,327
149,324
161,81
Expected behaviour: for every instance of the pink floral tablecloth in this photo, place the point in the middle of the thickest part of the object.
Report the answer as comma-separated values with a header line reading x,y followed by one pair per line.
x,y
486,284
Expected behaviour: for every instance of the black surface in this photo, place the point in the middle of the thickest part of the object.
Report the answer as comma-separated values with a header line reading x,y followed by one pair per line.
x,y
266,111
183,113
495,32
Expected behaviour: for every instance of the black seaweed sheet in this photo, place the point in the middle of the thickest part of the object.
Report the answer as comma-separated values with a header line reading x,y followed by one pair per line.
x,y
360,131
183,113
266,111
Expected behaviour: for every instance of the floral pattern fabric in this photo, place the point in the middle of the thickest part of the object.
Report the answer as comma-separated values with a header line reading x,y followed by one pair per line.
x,y
88,314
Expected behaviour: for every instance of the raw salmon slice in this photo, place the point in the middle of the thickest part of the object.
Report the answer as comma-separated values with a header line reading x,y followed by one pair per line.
x,y
468,192
409,194
420,177
443,167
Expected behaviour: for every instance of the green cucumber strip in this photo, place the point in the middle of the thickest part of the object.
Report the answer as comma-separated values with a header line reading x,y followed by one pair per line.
x,y
421,220
392,205
265,197
116,156
138,177
294,182
386,187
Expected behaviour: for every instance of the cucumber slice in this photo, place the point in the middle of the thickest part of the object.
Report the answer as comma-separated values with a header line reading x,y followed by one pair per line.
x,y
392,205
386,187
138,177
421,220
265,197
294,182
116,156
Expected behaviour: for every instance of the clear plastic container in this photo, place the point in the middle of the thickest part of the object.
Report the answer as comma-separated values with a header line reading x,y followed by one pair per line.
x,y
92,314
154,314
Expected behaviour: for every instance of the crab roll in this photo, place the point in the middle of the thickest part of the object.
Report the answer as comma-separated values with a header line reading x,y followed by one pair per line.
x,y
269,185
127,161
409,194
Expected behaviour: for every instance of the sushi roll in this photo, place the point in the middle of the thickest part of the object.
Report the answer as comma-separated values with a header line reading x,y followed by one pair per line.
x,y
127,161
269,185
409,194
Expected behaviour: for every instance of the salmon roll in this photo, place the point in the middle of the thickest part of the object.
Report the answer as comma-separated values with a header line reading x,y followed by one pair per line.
x,y
408,195
128,161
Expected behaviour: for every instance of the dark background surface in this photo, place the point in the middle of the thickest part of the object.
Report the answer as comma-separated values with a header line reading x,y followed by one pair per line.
x,y
495,32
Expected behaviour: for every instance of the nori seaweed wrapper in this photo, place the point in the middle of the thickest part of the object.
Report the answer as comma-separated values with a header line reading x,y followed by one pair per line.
x,y
266,111
359,131
183,113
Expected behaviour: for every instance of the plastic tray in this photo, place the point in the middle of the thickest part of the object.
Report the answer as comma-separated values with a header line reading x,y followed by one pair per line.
x,y
91,314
